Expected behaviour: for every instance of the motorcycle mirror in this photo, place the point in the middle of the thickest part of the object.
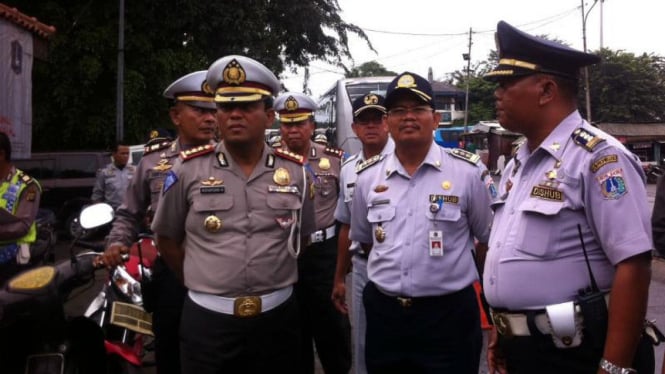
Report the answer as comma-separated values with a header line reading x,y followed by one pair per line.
x,y
96,215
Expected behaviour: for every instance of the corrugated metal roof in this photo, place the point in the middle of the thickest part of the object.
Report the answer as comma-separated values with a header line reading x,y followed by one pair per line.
x,y
25,21
633,129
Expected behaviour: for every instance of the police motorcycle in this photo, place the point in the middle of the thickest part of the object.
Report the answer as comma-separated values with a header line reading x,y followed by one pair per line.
x,y
119,309
36,336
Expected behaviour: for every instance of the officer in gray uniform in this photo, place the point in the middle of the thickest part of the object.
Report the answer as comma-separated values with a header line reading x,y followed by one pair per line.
x,y
229,222
571,237
321,322
113,180
372,131
419,210
193,114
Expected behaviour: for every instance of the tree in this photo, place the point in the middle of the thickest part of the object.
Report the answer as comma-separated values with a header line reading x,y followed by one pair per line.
x,y
627,88
369,69
481,91
74,91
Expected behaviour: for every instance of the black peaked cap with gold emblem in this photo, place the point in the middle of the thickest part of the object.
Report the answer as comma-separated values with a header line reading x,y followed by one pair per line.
x,y
191,89
238,78
409,83
294,107
521,54
369,101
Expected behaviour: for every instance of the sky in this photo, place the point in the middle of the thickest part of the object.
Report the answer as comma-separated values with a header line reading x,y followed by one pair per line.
x,y
413,35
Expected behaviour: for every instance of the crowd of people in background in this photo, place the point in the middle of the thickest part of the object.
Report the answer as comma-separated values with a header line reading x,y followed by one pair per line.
x,y
256,240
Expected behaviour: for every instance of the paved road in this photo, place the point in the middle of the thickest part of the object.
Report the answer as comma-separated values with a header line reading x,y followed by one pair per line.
x,y
656,308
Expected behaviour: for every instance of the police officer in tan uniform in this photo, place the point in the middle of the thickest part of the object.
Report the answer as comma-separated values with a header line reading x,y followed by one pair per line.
x,y
322,322
229,223
193,114
113,179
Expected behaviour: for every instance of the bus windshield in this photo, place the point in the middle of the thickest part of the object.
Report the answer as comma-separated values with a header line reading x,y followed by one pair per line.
x,y
355,90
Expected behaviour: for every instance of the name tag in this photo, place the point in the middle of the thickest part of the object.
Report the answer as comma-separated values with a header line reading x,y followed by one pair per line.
x,y
546,193
283,189
212,189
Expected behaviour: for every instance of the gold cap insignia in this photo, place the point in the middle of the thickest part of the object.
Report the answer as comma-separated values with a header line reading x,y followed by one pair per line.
x,y
324,163
446,185
406,81
212,224
371,99
291,104
234,73
154,134
205,87
281,177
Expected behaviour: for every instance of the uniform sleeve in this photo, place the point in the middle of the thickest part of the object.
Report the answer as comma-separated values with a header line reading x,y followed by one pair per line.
x,y
98,189
15,226
171,214
658,217
361,230
616,204
480,212
342,213
129,216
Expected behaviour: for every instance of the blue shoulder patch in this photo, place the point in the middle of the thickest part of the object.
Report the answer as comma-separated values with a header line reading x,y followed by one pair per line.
x,y
169,181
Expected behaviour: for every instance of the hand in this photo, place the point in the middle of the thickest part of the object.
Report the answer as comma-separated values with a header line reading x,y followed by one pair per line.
x,y
495,360
339,297
113,256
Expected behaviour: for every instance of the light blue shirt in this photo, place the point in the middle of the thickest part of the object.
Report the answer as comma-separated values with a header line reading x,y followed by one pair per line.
x,y
535,253
111,184
387,197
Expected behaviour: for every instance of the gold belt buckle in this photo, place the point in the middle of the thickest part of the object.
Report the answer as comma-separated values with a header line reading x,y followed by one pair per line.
x,y
502,324
405,302
247,306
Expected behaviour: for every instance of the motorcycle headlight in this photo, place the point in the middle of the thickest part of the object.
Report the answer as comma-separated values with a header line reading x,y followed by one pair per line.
x,y
127,285
32,280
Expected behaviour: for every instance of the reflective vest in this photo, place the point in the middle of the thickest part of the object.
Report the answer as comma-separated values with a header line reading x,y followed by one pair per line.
x,y
10,191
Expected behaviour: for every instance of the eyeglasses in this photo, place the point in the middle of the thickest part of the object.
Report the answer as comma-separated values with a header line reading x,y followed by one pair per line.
x,y
418,111
243,107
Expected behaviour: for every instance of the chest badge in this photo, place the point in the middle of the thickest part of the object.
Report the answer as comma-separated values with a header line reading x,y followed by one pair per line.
x,y
212,223
380,188
281,177
324,163
446,185
380,234
212,181
163,165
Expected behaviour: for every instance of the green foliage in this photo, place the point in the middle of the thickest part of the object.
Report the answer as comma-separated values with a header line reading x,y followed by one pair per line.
x,y
75,90
369,69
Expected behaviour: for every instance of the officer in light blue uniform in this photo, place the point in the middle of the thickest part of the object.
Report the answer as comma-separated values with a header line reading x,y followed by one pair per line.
x,y
418,210
112,180
571,223
372,131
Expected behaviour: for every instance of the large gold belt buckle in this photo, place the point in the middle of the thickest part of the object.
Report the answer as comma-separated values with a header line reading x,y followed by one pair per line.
x,y
502,324
247,306
405,302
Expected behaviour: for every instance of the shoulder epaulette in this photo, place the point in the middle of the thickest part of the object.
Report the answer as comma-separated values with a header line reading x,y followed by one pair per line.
x,y
25,178
196,152
334,152
279,152
465,155
156,147
586,139
350,159
517,144
367,163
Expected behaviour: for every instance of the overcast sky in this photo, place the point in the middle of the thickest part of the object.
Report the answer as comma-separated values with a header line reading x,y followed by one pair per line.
x,y
414,35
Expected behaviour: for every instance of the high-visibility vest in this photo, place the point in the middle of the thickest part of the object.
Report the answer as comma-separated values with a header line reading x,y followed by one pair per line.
x,y
10,191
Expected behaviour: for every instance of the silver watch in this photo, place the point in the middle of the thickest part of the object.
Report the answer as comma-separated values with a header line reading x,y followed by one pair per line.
x,y
613,369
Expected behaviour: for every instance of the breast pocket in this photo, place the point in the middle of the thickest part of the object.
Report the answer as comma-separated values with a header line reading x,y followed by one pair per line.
x,y
539,233
206,205
283,202
444,217
381,217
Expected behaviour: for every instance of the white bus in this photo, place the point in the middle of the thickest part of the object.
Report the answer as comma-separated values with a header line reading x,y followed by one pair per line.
x,y
335,113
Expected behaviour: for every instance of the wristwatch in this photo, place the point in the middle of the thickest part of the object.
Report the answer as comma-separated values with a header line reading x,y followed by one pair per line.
x,y
610,368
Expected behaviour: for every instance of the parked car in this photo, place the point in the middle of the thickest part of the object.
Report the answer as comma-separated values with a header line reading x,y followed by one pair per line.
x,y
67,180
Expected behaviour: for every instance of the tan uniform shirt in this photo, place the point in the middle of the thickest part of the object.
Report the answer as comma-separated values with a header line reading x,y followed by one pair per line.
x,y
15,226
246,253
143,192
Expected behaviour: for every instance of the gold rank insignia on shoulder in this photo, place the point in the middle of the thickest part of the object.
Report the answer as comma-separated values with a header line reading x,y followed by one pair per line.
x,y
281,177
334,152
369,162
196,152
156,147
162,165
279,152
324,163
465,155
25,178
586,139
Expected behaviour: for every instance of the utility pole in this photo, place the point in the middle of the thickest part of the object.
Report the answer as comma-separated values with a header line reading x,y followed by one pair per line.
x,y
120,102
601,24
467,57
